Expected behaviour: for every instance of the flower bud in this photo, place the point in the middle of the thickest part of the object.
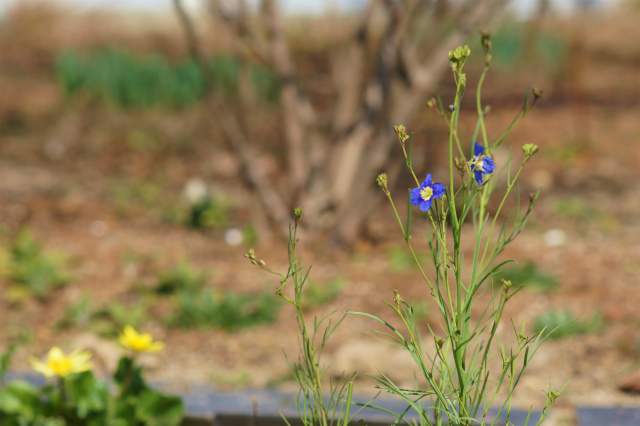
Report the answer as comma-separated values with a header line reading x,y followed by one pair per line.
x,y
297,213
452,108
537,93
521,337
529,150
506,284
461,165
552,395
439,342
382,182
250,254
396,297
401,131
431,102
261,262
463,80
485,39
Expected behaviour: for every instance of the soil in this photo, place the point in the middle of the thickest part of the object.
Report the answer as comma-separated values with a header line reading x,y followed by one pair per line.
x,y
67,171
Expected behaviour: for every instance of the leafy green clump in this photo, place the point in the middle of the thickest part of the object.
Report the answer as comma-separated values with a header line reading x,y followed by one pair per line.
x,y
31,270
227,310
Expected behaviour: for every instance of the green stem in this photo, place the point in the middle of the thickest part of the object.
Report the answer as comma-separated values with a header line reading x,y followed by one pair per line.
x,y
128,378
62,395
495,217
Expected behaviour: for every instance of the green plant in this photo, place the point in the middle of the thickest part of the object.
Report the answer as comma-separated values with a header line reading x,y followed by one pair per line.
x,y
566,324
527,275
313,408
227,310
458,386
108,319
318,294
77,315
180,278
126,81
549,48
33,271
209,213
75,397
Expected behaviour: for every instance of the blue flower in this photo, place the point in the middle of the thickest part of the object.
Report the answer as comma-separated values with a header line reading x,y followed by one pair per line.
x,y
424,194
481,164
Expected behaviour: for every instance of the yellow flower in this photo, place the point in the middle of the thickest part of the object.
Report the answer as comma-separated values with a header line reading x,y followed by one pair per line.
x,y
61,365
139,342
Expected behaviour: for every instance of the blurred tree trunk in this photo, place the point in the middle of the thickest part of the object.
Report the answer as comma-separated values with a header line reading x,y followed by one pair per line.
x,y
382,77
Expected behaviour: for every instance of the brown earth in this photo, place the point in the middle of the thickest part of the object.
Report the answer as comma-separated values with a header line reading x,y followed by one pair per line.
x,y
62,166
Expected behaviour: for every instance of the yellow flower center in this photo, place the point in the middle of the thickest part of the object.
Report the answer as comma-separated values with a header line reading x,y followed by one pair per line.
x,y
480,165
61,366
426,193
141,342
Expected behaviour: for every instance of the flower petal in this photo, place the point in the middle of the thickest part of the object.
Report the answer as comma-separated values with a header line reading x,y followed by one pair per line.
x,y
488,165
41,367
426,204
129,332
438,190
478,176
427,181
478,149
55,354
156,346
415,197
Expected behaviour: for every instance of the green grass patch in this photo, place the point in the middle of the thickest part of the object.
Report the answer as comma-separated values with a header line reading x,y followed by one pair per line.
x,y
31,270
317,294
568,327
209,213
107,320
224,309
529,275
127,81
180,278
509,45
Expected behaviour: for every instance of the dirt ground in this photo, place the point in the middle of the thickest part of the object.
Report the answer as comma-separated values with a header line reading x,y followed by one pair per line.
x,y
59,168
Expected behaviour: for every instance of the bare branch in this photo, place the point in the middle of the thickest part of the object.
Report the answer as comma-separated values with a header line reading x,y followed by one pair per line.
x,y
378,153
245,33
236,137
350,70
298,163
193,43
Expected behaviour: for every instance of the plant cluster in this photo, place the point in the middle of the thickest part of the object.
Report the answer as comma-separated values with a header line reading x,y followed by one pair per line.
x,y
457,381
196,306
126,82
32,271
313,407
73,396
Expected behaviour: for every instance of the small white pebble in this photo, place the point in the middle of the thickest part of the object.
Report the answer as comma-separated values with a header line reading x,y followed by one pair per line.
x,y
195,191
554,237
233,237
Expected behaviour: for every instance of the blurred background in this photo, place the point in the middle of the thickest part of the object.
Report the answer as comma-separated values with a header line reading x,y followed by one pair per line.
x,y
146,145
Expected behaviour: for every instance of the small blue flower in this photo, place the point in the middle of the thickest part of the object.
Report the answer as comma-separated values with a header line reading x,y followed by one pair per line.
x,y
481,164
424,194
